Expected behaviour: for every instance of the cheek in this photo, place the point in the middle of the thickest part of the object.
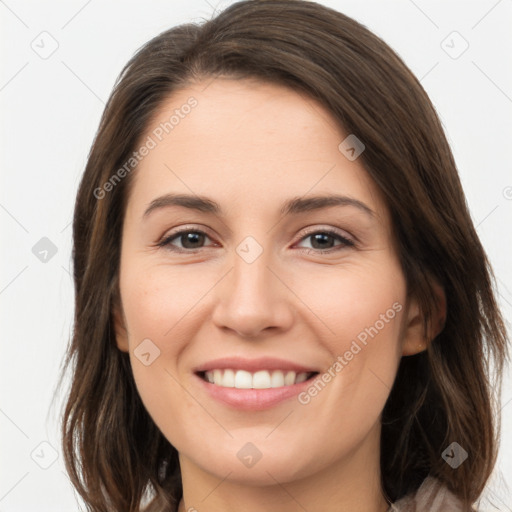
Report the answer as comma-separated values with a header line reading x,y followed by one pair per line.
x,y
355,303
155,303
158,303
361,313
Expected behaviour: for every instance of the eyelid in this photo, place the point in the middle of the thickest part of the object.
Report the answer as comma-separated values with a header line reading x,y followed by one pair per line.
x,y
348,239
330,230
183,229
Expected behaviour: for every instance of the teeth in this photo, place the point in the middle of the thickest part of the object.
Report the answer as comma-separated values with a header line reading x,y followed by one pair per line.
x,y
228,379
290,378
243,380
277,379
301,378
263,379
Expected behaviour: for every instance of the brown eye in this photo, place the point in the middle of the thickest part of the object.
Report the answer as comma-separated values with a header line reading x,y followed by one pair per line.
x,y
190,240
323,241
193,240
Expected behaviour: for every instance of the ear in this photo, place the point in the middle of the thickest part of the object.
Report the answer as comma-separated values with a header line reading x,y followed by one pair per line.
x,y
120,327
413,339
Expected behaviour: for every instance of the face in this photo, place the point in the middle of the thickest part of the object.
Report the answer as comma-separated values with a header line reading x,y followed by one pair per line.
x,y
240,290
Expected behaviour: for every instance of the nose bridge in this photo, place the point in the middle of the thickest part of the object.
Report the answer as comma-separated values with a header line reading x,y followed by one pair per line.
x,y
251,277
251,274
250,299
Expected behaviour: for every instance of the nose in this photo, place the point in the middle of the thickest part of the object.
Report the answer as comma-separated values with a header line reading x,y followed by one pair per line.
x,y
253,298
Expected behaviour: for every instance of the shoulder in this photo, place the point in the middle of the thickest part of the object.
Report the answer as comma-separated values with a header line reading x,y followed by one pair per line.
x,y
432,496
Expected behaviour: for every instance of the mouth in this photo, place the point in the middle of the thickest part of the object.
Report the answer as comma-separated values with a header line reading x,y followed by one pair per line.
x,y
253,388
262,379
253,384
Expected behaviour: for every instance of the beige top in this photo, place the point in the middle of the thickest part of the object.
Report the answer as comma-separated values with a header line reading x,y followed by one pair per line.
x,y
432,496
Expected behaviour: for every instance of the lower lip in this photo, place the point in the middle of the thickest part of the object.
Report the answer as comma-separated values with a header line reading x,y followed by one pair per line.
x,y
253,399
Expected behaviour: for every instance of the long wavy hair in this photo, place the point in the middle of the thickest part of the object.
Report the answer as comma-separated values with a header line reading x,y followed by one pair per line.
x,y
116,457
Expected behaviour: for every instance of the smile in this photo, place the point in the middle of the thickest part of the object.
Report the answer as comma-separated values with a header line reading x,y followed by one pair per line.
x,y
263,379
253,384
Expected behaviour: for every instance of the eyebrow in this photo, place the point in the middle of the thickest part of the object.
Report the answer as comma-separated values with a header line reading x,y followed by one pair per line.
x,y
292,206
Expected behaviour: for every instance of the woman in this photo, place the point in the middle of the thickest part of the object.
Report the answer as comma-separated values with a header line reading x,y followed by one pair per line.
x,y
219,363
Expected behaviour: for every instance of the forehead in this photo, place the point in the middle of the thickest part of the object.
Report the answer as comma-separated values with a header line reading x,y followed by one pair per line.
x,y
248,144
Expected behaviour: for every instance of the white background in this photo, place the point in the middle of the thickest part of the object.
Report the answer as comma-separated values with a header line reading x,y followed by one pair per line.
x,y
50,112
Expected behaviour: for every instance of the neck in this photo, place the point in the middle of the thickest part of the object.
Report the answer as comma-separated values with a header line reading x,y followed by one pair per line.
x,y
348,485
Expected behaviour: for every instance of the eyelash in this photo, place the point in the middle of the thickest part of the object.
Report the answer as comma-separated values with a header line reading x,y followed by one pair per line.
x,y
345,242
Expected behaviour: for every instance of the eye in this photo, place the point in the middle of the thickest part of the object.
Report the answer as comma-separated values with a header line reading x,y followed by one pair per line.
x,y
188,238
191,241
322,239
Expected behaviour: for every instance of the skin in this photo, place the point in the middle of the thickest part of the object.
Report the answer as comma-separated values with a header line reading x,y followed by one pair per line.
x,y
250,146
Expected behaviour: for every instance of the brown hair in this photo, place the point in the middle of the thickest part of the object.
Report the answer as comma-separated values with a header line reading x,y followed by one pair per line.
x,y
114,453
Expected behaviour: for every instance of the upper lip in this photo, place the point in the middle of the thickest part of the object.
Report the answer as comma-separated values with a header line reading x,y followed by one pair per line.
x,y
253,365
